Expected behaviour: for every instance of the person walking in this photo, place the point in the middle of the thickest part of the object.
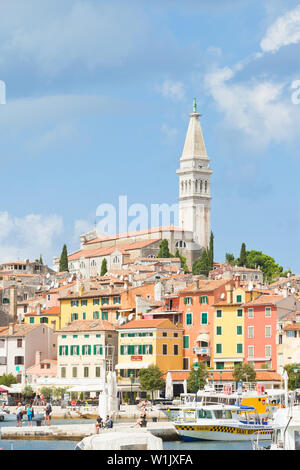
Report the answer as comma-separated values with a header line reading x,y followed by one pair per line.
x,y
48,411
19,413
30,414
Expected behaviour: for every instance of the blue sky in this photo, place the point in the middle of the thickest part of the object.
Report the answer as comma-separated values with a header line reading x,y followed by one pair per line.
x,y
97,104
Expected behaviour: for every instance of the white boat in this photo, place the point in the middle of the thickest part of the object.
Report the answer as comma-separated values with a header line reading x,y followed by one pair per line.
x,y
133,440
286,430
221,423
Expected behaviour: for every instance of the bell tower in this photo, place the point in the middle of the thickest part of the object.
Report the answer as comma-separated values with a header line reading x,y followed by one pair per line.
x,y
194,183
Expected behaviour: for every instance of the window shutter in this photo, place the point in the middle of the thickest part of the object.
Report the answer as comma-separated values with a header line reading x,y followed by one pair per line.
x,y
151,349
71,350
90,349
60,350
67,348
122,349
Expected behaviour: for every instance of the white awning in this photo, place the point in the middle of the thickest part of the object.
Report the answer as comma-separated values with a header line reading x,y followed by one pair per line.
x,y
132,365
203,337
86,388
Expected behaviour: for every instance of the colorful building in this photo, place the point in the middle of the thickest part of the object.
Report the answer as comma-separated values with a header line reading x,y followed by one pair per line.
x,y
50,317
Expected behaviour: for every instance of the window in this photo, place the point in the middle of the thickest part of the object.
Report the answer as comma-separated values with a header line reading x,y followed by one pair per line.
x,y
117,300
268,351
268,312
175,349
98,372
74,316
95,301
43,320
105,316
250,313
268,331
31,320
186,363
291,334
203,299
219,348
85,371
189,318
74,350
74,372
86,349
74,303
63,350
239,330
98,335
104,301
250,331
219,330
63,372
19,343
239,312
205,414
98,349
165,349
219,313
117,315
95,315
220,365
250,351
175,335
188,300
19,360
239,299
165,334
186,342
204,318
83,316
239,348
84,302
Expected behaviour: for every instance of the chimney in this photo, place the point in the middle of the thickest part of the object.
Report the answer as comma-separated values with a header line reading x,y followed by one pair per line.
x,y
237,282
38,357
38,309
10,329
13,304
229,293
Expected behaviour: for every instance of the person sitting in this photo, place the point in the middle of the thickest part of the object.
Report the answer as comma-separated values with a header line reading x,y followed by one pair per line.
x,y
108,423
98,424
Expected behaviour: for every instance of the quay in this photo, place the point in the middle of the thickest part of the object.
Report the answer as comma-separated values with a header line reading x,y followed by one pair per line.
x,y
76,432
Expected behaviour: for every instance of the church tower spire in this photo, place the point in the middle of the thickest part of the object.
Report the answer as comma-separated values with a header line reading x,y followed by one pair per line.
x,y
194,183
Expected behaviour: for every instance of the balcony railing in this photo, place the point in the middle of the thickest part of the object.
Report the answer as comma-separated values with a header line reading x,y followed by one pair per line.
x,y
202,351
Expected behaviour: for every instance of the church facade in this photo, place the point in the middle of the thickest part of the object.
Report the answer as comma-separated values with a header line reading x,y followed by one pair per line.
x,y
189,238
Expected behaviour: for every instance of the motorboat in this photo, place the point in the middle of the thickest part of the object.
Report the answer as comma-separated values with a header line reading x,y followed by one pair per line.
x,y
221,423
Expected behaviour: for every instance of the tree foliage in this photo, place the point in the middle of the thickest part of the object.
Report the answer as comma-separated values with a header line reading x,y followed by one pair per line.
x,y
47,392
198,377
63,262
244,372
8,380
201,265
164,251
183,261
28,391
103,267
151,379
291,376
243,255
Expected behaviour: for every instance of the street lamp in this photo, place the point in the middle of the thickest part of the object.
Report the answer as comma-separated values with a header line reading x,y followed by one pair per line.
x,y
221,386
295,372
196,368
131,383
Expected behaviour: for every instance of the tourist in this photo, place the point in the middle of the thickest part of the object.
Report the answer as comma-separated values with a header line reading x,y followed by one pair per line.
x,y
141,421
108,423
19,413
48,411
98,424
30,414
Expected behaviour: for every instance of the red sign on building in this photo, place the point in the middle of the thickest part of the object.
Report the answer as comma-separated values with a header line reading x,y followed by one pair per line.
x,y
136,358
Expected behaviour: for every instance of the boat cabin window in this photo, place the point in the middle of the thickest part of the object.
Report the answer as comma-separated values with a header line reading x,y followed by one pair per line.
x,y
189,415
204,414
223,414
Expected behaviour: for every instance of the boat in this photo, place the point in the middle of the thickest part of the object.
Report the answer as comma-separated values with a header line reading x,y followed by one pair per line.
x,y
221,423
135,440
5,415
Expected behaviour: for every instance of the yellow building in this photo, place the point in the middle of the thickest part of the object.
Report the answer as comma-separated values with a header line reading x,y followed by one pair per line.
x,y
228,337
147,342
50,317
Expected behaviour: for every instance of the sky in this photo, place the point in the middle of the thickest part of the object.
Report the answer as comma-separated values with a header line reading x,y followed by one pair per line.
x,y
98,96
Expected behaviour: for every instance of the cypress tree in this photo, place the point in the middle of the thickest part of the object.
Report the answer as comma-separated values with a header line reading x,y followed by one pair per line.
x,y
201,265
41,260
103,267
211,252
63,262
164,251
243,256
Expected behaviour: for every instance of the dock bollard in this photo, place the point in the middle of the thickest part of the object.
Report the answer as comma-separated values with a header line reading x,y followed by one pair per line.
x,y
38,422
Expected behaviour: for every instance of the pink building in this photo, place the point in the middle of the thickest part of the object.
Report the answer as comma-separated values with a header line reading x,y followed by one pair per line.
x,y
43,368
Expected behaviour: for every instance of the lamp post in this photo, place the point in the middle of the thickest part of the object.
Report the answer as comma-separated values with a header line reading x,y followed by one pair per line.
x,y
131,383
221,372
196,368
295,372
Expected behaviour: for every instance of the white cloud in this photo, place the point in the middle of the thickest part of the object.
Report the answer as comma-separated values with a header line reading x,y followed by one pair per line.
x,y
81,226
285,31
257,107
171,89
28,236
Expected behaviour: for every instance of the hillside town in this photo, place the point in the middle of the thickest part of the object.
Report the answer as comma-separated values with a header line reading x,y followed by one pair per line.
x,y
119,304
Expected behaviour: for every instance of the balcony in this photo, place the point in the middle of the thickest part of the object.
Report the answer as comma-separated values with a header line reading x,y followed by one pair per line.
x,y
201,351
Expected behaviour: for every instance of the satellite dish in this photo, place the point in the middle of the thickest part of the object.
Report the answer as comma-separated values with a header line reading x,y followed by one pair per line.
x,y
222,295
250,287
293,290
122,321
130,317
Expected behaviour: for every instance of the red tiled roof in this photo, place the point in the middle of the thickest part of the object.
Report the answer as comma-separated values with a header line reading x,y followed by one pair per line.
x,y
88,325
157,323
170,228
264,299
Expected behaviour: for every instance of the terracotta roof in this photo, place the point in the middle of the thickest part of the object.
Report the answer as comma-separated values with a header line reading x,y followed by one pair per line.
x,y
264,299
105,292
205,286
170,228
178,375
109,250
294,326
48,311
20,329
157,323
88,325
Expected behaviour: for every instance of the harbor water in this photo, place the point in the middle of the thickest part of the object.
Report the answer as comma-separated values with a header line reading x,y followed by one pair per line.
x,y
70,445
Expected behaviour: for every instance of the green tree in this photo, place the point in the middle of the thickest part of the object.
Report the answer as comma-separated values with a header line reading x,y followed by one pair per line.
x,y
200,377
291,376
58,392
201,265
8,380
244,372
210,252
63,262
28,391
183,261
47,392
269,267
164,251
41,260
243,255
103,267
229,258
151,379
